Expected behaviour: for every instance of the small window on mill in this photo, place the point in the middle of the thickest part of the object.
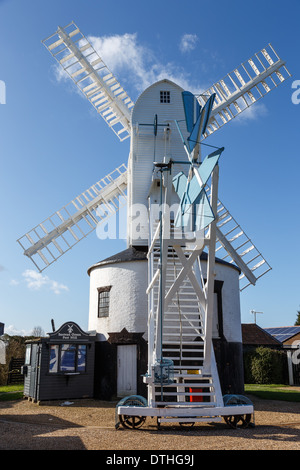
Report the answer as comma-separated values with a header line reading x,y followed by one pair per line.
x,y
103,301
165,97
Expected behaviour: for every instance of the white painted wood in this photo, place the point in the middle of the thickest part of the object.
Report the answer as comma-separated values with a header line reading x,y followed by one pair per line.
x,y
146,148
192,410
88,71
209,286
290,367
49,240
176,312
244,86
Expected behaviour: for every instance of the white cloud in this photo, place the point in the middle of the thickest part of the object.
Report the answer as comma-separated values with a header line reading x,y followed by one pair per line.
x,y
188,42
123,52
137,65
57,287
59,73
11,330
35,281
253,112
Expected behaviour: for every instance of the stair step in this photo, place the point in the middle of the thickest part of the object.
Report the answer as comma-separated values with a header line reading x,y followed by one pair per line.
x,y
187,384
184,343
178,320
185,394
186,368
183,360
194,312
182,350
191,377
182,334
167,333
186,404
214,419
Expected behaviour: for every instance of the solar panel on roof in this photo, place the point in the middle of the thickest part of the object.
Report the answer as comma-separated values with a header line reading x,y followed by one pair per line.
x,y
283,333
282,338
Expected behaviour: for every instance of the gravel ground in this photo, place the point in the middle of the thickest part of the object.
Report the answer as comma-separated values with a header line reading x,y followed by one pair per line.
x,y
90,425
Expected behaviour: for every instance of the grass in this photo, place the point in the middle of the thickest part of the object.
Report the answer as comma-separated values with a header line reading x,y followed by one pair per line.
x,y
11,392
273,392
266,391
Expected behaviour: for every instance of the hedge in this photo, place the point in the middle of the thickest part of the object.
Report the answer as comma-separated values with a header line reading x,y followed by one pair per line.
x,y
265,366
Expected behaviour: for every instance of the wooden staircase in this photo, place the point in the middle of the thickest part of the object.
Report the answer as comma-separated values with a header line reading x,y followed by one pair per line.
x,y
183,340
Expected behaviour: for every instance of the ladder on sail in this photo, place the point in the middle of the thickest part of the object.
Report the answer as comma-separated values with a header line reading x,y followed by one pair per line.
x,y
242,87
82,63
49,240
234,246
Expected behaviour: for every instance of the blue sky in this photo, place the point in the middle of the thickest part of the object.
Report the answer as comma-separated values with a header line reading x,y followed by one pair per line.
x,y
53,146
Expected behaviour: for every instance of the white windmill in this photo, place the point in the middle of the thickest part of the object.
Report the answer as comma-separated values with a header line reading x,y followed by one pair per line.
x,y
167,126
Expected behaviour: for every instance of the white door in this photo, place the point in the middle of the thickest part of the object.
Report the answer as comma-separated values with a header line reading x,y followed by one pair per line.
x,y
127,370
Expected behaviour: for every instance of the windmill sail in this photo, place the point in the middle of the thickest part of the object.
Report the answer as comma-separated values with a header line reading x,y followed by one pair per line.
x,y
52,238
234,246
78,58
243,87
49,240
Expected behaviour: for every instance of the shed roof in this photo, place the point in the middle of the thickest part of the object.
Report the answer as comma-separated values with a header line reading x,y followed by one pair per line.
x,y
253,335
139,253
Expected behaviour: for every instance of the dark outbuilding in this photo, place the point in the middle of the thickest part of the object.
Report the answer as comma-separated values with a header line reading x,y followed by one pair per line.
x,y
60,366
